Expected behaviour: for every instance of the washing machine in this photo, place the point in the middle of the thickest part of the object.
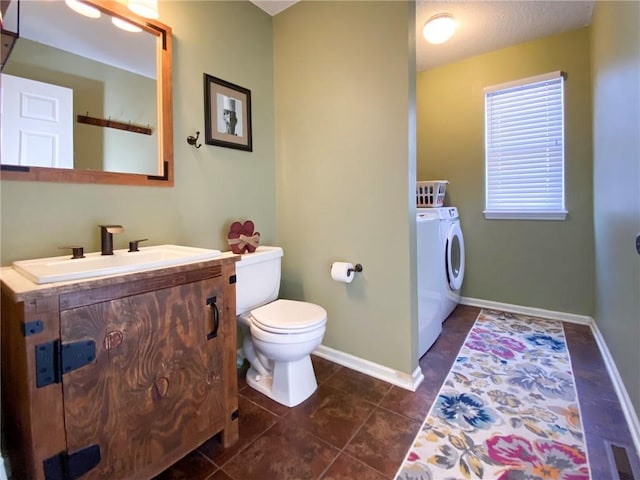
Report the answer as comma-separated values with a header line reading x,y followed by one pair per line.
x,y
440,268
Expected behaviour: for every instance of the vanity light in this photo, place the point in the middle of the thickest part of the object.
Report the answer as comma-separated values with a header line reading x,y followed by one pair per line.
x,y
83,8
144,8
124,25
439,28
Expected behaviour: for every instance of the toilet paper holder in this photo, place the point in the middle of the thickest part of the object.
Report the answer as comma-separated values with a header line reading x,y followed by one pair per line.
x,y
344,272
356,268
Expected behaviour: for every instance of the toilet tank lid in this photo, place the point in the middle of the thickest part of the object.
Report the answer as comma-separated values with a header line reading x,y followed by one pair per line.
x,y
262,254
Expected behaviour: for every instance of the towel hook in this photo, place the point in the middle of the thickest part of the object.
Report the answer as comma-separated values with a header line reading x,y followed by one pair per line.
x,y
191,140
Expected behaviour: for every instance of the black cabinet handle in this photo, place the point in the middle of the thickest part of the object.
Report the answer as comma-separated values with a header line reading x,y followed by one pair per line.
x,y
211,301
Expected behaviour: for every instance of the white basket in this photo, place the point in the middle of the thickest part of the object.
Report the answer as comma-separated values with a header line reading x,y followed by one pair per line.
x,y
431,194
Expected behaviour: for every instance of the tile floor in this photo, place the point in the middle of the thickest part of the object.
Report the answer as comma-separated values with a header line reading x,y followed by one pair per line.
x,y
355,427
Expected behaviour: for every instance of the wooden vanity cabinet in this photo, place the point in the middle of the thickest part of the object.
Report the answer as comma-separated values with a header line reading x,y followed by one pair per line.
x,y
118,378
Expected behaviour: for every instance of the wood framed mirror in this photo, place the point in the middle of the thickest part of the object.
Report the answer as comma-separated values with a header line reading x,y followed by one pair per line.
x,y
104,115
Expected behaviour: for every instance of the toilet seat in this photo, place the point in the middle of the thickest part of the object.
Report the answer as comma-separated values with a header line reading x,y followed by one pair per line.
x,y
287,338
289,317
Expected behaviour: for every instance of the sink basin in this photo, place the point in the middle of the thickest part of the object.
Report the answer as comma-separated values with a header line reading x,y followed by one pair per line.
x,y
62,269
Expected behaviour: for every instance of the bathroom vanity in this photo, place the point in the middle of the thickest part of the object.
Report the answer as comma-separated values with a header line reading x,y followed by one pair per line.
x,y
117,377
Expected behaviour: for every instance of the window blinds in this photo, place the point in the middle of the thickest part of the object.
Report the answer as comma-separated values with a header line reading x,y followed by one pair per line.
x,y
524,147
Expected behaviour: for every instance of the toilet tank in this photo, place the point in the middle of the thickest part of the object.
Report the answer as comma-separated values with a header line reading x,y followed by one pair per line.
x,y
258,278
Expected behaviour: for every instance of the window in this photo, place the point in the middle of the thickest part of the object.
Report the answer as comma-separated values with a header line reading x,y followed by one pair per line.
x,y
524,149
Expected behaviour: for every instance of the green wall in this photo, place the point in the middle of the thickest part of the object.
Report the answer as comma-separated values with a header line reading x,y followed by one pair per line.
x,y
213,186
101,91
542,264
616,126
346,170
346,163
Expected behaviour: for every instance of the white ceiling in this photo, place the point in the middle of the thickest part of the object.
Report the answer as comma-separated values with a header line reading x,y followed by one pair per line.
x,y
484,26
52,23
273,7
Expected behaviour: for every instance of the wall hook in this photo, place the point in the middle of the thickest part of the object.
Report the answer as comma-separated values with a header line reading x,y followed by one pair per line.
x,y
191,140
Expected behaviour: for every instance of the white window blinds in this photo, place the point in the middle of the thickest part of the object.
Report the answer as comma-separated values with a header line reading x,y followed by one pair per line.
x,y
524,148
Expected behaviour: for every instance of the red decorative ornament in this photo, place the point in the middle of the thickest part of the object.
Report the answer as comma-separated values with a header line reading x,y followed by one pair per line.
x,y
242,238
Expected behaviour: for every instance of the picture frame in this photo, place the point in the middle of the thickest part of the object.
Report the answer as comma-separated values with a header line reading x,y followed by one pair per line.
x,y
227,114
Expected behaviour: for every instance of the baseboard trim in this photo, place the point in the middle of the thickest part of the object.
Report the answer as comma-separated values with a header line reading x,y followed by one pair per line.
x,y
395,377
534,312
623,396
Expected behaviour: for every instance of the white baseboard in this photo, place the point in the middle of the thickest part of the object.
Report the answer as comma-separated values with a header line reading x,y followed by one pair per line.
x,y
532,311
395,377
623,396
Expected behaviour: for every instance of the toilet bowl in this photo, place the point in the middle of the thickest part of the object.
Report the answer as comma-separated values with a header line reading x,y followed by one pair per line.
x,y
279,335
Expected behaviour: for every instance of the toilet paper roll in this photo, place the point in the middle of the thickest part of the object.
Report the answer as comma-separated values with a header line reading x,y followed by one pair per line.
x,y
342,272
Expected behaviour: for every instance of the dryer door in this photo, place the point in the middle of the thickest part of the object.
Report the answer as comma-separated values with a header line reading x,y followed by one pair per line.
x,y
455,256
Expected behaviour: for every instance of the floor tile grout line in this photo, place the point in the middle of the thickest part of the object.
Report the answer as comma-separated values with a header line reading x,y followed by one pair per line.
x,y
332,375
245,448
376,405
286,414
278,418
208,459
350,393
413,419
342,450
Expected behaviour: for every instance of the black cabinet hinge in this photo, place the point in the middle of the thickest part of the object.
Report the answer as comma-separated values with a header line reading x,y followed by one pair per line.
x,y
69,467
232,279
235,414
31,328
54,359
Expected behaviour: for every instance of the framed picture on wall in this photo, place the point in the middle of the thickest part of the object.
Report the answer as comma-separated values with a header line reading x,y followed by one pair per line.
x,y
227,114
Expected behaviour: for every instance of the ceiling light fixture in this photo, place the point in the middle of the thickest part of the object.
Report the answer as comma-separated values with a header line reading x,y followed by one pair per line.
x,y
439,28
124,25
144,8
83,8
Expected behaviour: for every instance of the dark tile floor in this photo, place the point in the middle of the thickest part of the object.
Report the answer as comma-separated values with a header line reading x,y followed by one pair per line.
x,y
355,427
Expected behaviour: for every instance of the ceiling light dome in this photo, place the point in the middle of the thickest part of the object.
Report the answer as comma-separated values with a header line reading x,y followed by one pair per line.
x,y
439,28
124,25
145,8
83,8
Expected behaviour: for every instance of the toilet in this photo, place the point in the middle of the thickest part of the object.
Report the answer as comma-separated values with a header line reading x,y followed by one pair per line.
x,y
279,335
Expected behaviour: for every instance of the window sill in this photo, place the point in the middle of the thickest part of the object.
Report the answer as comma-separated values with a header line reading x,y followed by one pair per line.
x,y
514,215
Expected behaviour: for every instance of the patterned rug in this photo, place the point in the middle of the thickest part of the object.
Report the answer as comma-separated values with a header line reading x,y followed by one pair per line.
x,y
508,409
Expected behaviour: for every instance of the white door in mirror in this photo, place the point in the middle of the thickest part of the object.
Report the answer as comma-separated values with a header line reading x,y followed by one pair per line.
x,y
37,123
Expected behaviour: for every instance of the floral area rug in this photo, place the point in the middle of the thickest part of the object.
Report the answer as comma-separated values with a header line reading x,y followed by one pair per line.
x,y
508,410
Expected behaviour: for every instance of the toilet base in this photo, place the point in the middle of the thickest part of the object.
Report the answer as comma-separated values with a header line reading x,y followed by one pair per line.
x,y
290,383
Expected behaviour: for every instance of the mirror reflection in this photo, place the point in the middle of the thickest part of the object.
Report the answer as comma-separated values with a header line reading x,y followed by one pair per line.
x,y
102,81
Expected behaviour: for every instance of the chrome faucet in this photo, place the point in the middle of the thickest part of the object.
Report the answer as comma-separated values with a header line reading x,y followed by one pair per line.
x,y
106,237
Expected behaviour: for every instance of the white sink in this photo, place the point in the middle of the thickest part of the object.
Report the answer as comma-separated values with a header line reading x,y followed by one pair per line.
x,y
62,269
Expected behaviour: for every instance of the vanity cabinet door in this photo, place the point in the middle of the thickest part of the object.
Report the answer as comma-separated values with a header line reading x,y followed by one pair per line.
x,y
155,390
